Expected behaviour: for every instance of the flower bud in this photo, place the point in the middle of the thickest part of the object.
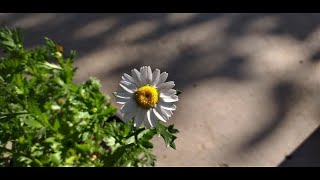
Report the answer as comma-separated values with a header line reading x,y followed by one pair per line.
x,y
57,55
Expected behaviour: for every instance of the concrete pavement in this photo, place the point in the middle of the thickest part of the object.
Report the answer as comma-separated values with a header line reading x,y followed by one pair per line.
x,y
250,82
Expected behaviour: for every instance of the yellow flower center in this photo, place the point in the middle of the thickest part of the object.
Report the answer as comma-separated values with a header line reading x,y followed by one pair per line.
x,y
147,96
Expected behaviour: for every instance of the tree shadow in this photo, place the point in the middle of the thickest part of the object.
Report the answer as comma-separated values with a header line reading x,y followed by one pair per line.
x,y
191,65
167,28
182,68
63,27
307,154
296,25
185,74
284,95
315,57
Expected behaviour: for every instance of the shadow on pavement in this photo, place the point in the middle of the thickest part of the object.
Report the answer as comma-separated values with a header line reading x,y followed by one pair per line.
x,y
307,154
184,67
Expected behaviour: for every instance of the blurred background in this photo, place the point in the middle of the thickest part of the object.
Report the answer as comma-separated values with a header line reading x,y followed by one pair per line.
x,y
250,82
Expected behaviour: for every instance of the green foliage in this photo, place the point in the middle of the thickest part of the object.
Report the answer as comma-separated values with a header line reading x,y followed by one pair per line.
x,y
47,120
178,92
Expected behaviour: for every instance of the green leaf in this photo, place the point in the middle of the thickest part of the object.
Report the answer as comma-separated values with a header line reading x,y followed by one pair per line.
x,y
85,136
1,80
178,92
110,141
50,66
17,36
56,158
53,121
130,140
146,135
171,129
24,159
85,148
167,136
55,107
120,156
42,132
37,153
147,144
149,159
50,44
37,161
11,115
33,123
50,140
126,128
71,159
8,43
82,115
56,124
11,40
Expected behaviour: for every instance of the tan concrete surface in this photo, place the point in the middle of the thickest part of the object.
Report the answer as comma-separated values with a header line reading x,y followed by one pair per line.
x,y
250,82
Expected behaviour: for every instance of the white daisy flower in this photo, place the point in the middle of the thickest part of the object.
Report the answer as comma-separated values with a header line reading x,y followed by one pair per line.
x,y
146,97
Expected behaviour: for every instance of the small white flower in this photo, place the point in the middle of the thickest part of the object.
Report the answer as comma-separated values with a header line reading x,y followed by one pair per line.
x,y
146,96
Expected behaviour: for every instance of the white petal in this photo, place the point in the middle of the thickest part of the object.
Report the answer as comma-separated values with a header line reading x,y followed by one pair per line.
x,y
130,106
122,100
160,114
155,77
162,79
169,92
143,75
128,89
149,75
166,105
123,95
146,124
136,77
128,78
166,86
128,84
152,118
140,116
128,116
173,98
168,112
122,91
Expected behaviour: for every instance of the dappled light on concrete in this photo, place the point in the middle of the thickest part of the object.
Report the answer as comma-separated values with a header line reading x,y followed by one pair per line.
x,y
250,82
